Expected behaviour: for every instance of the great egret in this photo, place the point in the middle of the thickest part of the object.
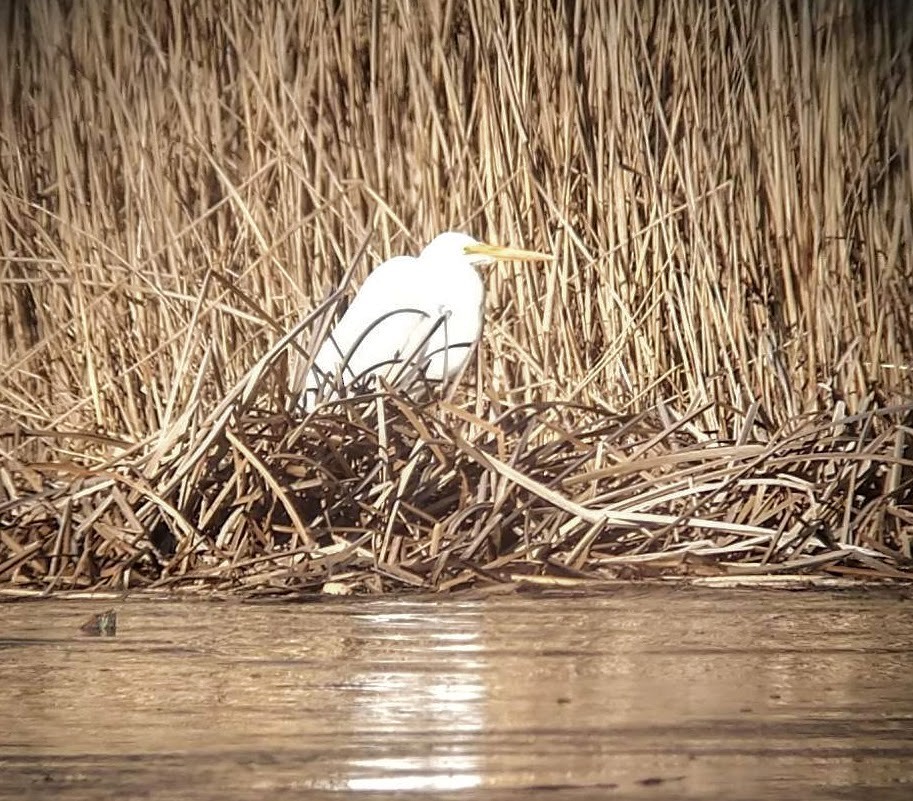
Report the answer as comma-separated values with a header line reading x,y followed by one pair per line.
x,y
413,317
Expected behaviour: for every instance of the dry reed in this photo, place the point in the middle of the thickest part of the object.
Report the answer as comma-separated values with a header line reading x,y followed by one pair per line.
x,y
714,375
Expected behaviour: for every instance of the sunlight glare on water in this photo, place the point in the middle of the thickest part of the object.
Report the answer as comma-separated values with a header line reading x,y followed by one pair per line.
x,y
451,699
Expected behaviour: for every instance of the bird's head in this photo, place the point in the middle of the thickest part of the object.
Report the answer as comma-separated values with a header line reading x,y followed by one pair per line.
x,y
452,244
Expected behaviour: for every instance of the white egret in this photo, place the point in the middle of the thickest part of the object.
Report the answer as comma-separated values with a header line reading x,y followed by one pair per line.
x,y
413,317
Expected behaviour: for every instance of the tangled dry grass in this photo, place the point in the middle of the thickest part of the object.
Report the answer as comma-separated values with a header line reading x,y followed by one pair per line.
x,y
713,376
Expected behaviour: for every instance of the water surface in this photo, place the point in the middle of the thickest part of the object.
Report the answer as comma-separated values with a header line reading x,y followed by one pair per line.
x,y
653,694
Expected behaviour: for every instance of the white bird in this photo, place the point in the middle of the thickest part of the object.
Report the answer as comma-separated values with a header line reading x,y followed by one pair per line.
x,y
413,317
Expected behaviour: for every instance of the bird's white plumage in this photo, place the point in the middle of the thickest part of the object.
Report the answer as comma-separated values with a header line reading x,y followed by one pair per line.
x,y
411,316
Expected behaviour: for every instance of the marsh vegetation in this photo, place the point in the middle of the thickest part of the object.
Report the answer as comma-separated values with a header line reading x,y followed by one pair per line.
x,y
714,374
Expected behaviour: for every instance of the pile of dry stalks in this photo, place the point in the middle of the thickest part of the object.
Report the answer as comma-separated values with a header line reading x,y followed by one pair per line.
x,y
377,493
726,189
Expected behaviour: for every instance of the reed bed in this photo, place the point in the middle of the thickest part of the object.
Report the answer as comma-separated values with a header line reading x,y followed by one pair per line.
x,y
714,376
374,494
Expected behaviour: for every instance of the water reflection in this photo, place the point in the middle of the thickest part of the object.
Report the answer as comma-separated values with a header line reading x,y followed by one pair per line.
x,y
451,699
675,694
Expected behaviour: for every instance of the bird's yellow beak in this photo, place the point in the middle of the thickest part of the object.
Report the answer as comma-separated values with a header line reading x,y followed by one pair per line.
x,y
501,253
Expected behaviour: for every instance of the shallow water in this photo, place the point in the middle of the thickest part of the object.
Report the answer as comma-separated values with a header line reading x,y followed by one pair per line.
x,y
654,694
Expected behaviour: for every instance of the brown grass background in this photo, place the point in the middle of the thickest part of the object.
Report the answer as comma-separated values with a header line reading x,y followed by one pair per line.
x,y
727,188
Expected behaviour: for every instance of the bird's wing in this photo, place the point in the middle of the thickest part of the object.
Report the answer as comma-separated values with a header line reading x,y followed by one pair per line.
x,y
380,329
